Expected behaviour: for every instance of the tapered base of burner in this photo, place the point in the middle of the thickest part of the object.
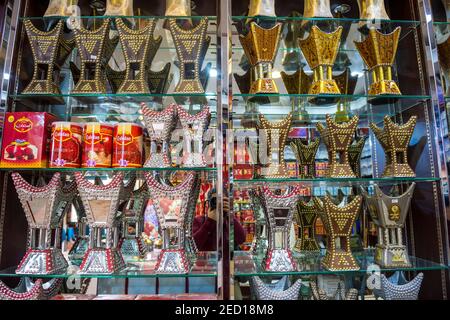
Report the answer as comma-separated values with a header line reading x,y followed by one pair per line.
x,y
102,261
47,261
279,260
172,261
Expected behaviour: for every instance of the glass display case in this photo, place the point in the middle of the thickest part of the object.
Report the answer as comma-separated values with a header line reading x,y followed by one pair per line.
x,y
318,130
351,79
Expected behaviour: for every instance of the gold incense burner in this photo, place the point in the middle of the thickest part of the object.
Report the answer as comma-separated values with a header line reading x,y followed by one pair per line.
x,y
320,50
338,138
378,52
395,140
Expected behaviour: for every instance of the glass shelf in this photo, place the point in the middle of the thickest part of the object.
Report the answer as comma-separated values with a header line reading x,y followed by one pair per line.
x,y
213,169
343,20
354,104
123,17
247,265
204,266
306,97
93,98
320,182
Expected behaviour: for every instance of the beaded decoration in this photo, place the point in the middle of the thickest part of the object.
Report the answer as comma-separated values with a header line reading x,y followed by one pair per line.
x,y
95,48
319,294
194,127
338,138
50,51
306,217
132,245
260,47
160,125
378,51
265,292
354,154
44,209
191,46
338,223
389,215
279,212
306,157
407,291
172,206
21,292
320,50
101,203
394,140
275,135
139,49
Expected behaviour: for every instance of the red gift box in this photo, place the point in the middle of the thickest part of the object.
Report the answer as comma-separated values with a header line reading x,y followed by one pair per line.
x,y
26,138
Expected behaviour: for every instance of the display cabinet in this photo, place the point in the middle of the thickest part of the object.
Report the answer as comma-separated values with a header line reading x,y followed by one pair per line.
x,y
130,91
321,125
358,81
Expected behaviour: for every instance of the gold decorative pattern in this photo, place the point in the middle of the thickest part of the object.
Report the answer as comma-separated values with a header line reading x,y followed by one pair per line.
x,y
50,50
338,222
95,48
378,52
372,10
139,49
306,157
306,219
338,138
395,140
261,8
58,8
191,46
354,154
260,46
320,50
178,8
276,167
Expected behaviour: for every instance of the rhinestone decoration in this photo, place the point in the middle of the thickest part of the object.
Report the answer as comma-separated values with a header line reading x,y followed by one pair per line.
x,y
21,292
275,135
378,52
191,46
338,223
408,291
160,125
319,294
50,51
139,49
338,138
265,292
394,140
49,289
95,48
132,245
306,157
193,128
306,218
44,209
81,244
320,50
354,154
101,203
260,239
260,46
279,212
389,215
173,205
190,245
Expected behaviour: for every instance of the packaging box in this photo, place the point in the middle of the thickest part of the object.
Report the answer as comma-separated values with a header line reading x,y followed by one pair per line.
x,y
26,138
